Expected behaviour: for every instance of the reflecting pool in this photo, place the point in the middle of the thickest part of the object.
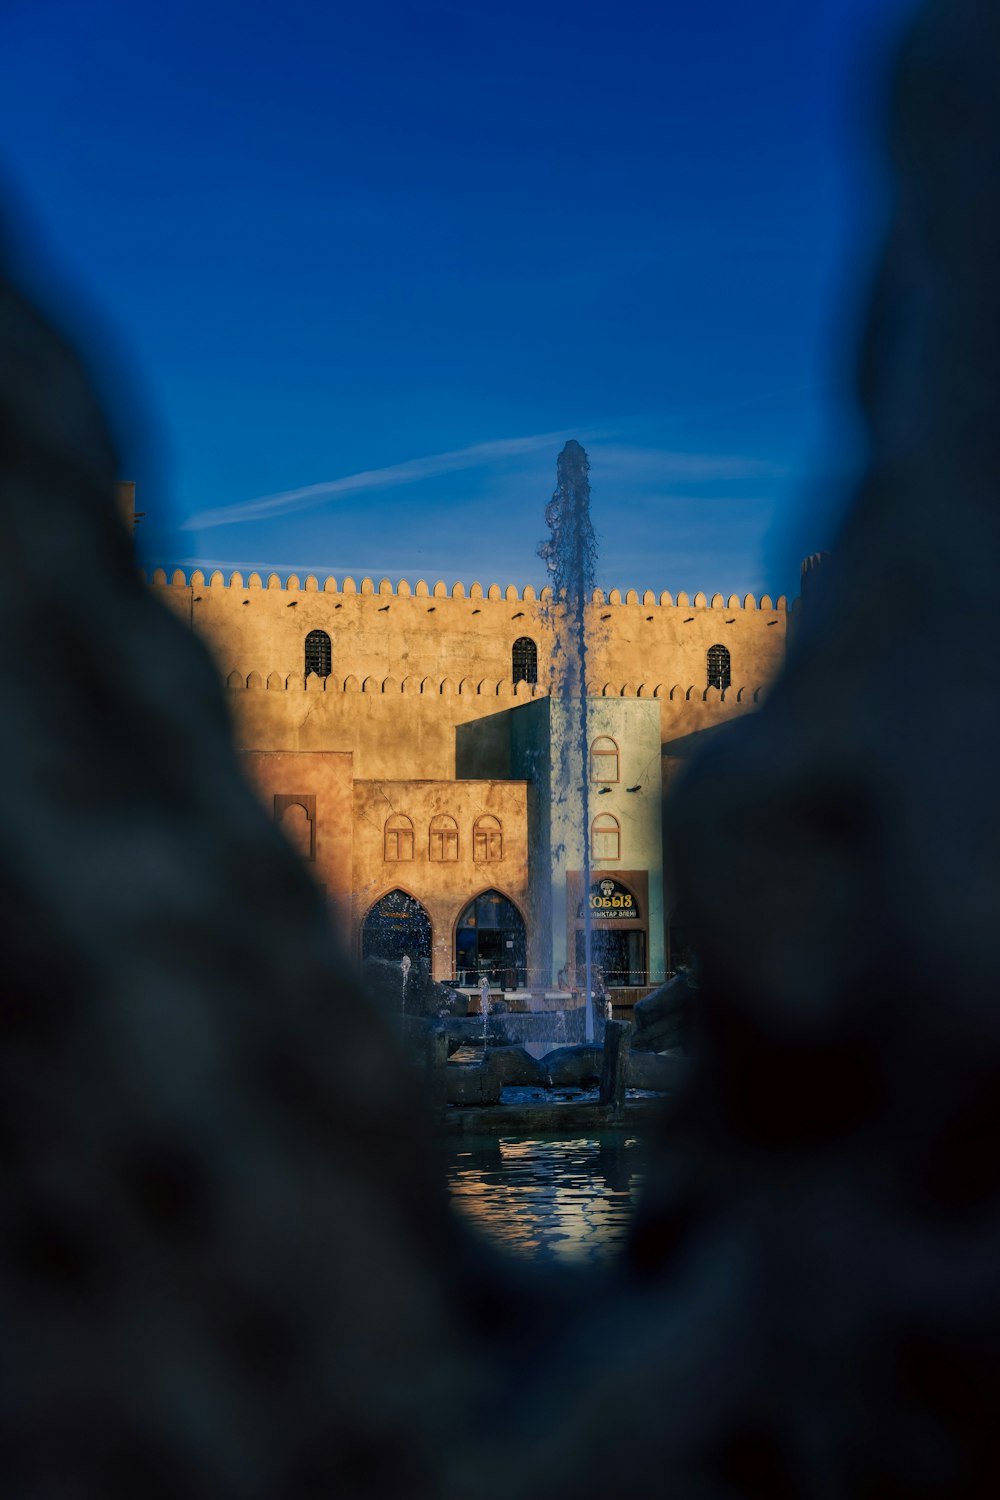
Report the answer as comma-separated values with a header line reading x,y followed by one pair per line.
x,y
554,1199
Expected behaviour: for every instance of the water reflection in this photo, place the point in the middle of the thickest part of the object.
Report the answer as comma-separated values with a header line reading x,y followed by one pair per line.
x,y
556,1200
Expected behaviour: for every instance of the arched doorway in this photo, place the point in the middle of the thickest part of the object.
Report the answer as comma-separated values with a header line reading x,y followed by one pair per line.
x,y
396,925
490,940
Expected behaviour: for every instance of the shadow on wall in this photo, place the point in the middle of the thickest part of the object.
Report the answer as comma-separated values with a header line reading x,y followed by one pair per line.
x,y
228,1265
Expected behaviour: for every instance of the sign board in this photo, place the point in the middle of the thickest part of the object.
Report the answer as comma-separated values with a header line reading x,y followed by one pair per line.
x,y
610,901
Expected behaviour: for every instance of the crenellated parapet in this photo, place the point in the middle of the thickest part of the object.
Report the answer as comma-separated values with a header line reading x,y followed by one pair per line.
x,y
475,593
682,600
402,589
471,687
678,694
431,687
398,639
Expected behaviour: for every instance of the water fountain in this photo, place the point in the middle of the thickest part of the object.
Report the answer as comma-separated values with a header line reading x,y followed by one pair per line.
x,y
570,554
484,1006
404,964
545,1069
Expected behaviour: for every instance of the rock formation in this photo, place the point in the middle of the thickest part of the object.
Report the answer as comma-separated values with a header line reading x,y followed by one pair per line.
x,y
665,1018
228,1264
420,995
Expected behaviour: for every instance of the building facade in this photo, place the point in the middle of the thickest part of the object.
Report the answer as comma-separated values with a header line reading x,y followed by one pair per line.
x,y
404,738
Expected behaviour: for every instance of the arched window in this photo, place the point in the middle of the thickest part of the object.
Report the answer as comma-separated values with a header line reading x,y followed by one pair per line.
x,y
297,826
603,759
443,840
396,927
524,660
605,837
398,837
295,815
719,675
318,655
487,839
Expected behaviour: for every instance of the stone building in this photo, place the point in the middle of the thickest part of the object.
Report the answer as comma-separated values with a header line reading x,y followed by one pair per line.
x,y
403,737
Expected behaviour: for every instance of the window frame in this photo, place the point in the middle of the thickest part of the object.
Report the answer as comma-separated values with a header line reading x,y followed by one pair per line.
x,y
487,840
596,755
725,667
283,802
529,673
403,826
322,639
448,835
595,832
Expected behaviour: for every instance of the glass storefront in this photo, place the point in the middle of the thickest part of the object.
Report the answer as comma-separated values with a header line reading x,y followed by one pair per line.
x,y
490,941
396,926
620,956
617,935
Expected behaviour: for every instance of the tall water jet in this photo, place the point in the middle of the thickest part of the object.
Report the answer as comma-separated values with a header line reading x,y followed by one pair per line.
x,y
570,555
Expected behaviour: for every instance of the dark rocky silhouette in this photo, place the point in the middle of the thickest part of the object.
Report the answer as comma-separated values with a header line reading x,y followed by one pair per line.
x,y
224,1235
419,995
228,1269
665,1018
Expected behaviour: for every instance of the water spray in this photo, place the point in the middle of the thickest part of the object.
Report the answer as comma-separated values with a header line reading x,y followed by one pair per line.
x,y
570,555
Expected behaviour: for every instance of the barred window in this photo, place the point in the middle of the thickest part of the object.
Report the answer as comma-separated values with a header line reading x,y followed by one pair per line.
x,y
719,675
487,839
318,654
524,660
605,837
398,837
604,759
443,841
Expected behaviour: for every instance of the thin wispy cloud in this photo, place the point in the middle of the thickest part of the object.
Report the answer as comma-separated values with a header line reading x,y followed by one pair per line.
x,y
411,569
612,463
619,461
410,472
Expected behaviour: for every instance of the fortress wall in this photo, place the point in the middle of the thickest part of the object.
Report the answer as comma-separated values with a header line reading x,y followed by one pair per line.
x,y
443,887
666,646
385,730
386,727
696,709
418,631
371,634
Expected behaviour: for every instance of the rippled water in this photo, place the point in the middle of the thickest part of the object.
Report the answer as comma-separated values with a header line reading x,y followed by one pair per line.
x,y
556,1200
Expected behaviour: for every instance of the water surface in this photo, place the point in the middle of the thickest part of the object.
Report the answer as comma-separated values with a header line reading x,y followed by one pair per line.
x,y
554,1199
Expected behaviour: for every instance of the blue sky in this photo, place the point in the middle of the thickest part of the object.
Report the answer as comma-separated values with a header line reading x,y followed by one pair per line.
x,y
351,275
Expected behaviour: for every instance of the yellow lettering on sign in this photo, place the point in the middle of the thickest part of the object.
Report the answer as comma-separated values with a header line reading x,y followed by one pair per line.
x,y
606,903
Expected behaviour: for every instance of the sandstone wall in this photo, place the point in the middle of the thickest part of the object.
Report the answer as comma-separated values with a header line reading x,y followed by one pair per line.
x,y
320,786
444,887
404,633
409,665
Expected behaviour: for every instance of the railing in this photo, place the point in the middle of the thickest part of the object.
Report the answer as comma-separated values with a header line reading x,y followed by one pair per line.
x,y
624,988
507,978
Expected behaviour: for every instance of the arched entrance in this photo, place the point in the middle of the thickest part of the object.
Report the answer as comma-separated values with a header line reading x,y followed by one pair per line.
x,y
617,934
396,925
490,940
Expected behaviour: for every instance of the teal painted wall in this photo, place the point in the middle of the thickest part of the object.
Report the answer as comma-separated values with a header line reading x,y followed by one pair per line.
x,y
538,733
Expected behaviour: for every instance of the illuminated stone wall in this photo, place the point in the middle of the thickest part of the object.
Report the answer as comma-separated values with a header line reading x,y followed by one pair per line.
x,y
420,698
409,664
